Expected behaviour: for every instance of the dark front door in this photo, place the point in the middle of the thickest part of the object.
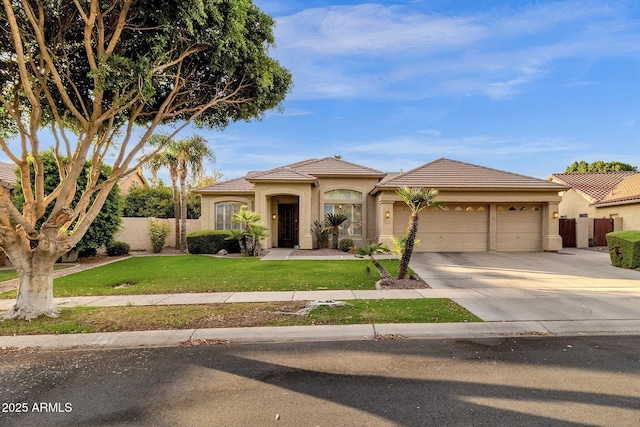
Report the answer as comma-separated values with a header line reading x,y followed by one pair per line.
x,y
287,226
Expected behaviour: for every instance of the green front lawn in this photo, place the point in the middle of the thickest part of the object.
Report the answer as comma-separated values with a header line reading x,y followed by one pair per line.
x,y
197,273
116,319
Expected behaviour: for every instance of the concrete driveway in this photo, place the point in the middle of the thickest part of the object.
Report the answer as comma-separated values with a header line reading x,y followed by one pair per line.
x,y
574,284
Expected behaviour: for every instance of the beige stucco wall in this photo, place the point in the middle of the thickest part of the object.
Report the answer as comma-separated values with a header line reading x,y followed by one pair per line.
x,y
208,215
629,213
573,205
135,232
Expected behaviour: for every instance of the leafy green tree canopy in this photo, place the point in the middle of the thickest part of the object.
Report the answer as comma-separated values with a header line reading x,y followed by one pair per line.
x,y
106,225
599,166
149,202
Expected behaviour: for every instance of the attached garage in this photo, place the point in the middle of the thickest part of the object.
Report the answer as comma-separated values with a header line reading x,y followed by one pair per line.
x,y
484,209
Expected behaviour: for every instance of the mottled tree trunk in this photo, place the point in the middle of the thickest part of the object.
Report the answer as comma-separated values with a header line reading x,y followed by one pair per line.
x,y
35,292
408,247
334,238
383,272
183,214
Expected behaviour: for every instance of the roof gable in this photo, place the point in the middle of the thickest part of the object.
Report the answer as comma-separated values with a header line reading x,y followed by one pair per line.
x,y
446,173
334,166
594,186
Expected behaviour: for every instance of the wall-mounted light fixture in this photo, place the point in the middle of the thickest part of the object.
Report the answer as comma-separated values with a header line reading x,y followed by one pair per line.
x,y
387,214
556,215
273,216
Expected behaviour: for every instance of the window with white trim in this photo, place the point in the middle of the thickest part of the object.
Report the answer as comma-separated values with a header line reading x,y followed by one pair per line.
x,y
349,203
224,215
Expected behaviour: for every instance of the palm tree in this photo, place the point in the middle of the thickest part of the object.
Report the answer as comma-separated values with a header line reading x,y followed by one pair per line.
x,y
182,157
190,153
251,232
167,159
417,199
333,222
372,249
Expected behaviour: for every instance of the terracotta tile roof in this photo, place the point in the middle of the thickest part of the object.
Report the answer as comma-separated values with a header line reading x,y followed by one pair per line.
x,y
593,186
7,174
236,185
284,173
627,191
334,167
446,173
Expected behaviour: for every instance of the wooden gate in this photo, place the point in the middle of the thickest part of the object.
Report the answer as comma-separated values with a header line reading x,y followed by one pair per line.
x,y
601,226
567,230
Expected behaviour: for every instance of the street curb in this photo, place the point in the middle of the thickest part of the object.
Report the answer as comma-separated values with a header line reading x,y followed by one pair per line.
x,y
276,334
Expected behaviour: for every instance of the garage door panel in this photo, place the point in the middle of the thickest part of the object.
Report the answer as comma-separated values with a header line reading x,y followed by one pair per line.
x,y
519,228
463,228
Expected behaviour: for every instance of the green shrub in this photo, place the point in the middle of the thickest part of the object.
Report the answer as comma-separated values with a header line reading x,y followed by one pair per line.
x,y
158,234
321,234
624,248
118,248
211,242
345,245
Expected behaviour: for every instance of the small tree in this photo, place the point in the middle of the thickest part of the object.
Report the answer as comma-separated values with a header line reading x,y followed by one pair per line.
x,y
251,232
417,199
372,249
333,222
158,235
321,234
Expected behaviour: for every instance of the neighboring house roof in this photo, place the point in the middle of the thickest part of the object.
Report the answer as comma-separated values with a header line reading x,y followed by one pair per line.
x,y
628,191
445,173
593,186
7,174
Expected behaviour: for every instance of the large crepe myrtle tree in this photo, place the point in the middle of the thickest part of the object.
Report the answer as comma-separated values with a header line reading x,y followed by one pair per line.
x,y
92,72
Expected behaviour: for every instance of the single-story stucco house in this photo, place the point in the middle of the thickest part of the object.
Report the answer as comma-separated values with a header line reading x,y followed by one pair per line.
x,y
484,209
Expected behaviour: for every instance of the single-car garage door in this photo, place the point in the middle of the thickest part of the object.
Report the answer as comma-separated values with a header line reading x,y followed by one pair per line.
x,y
456,228
518,227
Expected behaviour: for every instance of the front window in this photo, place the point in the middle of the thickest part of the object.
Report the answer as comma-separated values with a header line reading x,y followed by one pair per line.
x,y
345,202
224,215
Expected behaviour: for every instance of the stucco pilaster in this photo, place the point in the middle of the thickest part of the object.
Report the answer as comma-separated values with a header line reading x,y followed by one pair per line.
x,y
551,240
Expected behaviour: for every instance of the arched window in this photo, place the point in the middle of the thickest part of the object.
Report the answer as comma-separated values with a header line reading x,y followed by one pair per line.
x,y
349,203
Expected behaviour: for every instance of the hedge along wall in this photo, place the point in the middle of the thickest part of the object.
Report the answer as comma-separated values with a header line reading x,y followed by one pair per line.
x,y
211,242
135,232
624,248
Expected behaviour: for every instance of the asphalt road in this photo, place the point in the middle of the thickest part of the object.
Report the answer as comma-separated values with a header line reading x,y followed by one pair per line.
x,y
528,381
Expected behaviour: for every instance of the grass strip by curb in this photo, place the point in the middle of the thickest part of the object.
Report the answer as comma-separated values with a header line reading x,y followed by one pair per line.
x,y
131,318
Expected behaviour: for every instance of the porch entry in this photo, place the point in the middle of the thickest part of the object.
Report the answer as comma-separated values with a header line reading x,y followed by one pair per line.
x,y
287,225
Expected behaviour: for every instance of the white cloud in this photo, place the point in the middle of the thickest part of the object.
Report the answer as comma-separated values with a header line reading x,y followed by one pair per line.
x,y
400,51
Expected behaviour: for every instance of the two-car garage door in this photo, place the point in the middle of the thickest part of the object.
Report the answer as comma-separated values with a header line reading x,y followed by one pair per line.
x,y
466,227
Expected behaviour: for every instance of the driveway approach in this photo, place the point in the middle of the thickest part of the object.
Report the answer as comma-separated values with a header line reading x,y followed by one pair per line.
x,y
574,284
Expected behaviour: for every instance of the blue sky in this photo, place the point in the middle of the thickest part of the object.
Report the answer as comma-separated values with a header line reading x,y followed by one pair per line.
x,y
522,86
